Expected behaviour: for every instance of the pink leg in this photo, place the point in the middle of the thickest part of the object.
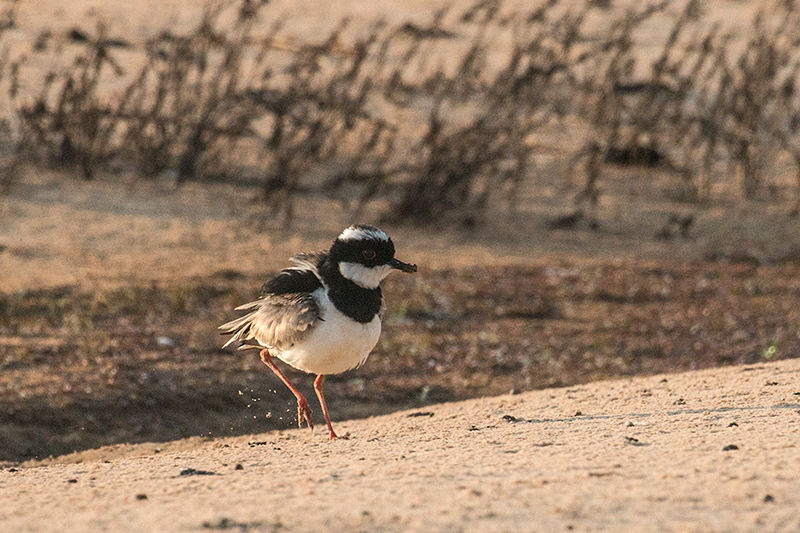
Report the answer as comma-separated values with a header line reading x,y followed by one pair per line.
x,y
303,410
318,389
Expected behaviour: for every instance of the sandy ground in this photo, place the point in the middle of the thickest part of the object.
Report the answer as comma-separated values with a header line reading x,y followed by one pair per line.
x,y
713,450
57,230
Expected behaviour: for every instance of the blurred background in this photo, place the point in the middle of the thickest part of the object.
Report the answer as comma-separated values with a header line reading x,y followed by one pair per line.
x,y
591,189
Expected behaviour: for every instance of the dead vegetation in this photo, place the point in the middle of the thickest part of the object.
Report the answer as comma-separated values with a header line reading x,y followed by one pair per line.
x,y
235,100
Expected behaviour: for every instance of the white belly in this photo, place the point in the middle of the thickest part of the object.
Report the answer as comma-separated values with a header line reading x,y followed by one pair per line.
x,y
336,344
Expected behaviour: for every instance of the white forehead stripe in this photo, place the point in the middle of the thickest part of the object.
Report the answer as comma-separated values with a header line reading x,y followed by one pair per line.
x,y
354,233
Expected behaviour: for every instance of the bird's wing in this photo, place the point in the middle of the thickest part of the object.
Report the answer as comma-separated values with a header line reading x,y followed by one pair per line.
x,y
292,281
275,321
285,313
310,261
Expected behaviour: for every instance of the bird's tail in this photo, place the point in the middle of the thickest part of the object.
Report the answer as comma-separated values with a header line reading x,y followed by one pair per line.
x,y
240,327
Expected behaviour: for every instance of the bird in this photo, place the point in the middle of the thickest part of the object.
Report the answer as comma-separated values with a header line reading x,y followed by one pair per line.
x,y
322,315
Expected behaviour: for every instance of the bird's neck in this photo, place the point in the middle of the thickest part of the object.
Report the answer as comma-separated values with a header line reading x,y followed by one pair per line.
x,y
358,303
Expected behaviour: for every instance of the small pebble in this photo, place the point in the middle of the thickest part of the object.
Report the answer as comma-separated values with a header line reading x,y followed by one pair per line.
x,y
193,472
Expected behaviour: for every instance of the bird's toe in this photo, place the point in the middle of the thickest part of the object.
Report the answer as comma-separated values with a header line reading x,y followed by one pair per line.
x,y
304,414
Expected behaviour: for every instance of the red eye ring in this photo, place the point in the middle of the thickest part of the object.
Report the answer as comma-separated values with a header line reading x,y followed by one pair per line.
x,y
369,254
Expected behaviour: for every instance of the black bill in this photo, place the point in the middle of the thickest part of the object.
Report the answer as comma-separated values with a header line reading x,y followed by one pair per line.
x,y
404,267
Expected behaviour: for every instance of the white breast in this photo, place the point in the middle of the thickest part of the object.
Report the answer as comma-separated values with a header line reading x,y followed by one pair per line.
x,y
336,344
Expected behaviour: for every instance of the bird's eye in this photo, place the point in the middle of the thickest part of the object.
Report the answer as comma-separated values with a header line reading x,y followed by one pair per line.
x,y
369,254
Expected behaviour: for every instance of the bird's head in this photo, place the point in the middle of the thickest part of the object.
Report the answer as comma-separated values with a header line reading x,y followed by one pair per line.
x,y
365,255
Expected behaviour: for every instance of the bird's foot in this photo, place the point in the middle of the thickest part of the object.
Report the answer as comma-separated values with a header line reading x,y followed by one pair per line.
x,y
304,413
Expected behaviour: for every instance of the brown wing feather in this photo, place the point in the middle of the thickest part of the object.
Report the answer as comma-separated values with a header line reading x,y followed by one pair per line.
x,y
275,321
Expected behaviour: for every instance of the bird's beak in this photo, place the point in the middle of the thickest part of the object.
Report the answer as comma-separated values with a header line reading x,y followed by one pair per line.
x,y
403,267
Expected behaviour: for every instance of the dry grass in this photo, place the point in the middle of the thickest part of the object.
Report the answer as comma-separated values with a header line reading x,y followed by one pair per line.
x,y
230,100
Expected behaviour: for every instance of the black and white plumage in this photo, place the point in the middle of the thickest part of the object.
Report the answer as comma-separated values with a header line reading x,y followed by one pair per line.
x,y
323,315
